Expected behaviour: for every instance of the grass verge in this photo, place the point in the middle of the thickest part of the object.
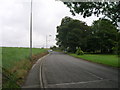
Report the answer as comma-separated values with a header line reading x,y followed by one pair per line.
x,y
109,60
16,64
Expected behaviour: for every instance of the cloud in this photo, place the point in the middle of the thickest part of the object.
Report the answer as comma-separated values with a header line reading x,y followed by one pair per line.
x,y
47,15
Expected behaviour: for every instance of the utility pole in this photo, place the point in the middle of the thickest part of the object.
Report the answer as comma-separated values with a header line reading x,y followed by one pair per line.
x,y
47,39
31,32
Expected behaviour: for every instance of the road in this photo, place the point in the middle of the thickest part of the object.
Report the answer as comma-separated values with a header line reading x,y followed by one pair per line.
x,y
63,71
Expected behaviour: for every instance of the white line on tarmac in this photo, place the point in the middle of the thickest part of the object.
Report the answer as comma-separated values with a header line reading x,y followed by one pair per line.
x,y
78,82
41,80
94,75
39,60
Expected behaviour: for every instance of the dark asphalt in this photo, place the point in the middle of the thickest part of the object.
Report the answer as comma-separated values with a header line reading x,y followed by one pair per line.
x,y
33,78
63,71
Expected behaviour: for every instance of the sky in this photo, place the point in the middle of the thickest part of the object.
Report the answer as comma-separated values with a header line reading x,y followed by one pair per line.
x,y
47,15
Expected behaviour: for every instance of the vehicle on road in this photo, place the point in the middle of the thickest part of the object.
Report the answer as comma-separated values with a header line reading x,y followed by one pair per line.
x,y
50,50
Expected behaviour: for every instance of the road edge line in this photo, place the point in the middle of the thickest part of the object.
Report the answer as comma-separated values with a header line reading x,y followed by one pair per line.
x,y
40,71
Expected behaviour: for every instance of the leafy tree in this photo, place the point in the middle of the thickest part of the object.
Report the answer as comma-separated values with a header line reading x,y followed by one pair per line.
x,y
74,39
93,43
71,33
53,47
118,44
100,37
62,31
103,37
109,9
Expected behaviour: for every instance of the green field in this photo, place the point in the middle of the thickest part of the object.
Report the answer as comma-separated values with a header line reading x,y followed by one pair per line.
x,y
16,64
11,55
110,60
0,56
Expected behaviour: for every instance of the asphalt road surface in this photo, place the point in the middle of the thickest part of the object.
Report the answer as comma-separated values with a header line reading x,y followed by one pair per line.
x,y
64,71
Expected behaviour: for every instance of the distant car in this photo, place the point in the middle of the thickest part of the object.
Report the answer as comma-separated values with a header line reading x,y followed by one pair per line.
x,y
50,50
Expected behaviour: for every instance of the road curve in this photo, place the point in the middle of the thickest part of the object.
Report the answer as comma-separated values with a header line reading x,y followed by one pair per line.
x,y
63,71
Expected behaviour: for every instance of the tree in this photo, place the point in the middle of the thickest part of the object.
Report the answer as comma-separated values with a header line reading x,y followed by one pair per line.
x,y
118,44
109,9
71,34
93,44
103,37
53,47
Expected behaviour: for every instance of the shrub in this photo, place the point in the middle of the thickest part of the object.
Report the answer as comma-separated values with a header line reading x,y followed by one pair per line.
x,y
79,51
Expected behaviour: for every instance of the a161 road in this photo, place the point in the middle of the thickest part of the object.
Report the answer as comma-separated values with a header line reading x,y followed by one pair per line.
x,y
63,71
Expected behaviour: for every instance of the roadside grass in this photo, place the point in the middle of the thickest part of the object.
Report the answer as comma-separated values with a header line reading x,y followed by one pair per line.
x,y
110,60
11,55
58,50
16,64
0,56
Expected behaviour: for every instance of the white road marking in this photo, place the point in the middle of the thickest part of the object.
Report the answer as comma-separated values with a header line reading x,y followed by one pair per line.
x,y
41,80
94,75
39,60
78,82
33,66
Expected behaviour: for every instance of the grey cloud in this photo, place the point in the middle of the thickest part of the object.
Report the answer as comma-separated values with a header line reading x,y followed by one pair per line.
x,y
15,25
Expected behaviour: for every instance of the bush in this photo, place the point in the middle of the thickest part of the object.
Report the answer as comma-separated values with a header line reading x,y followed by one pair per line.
x,y
79,51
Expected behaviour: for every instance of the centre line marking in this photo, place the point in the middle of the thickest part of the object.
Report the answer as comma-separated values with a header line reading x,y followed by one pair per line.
x,y
78,82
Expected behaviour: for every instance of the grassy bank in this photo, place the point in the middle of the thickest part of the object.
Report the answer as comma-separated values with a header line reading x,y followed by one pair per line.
x,y
110,60
16,64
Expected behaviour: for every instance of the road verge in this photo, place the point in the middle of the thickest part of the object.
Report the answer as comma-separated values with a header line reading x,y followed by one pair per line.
x,y
15,76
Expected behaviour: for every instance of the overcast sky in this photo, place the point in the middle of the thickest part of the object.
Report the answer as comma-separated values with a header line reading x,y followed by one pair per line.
x,y
47,15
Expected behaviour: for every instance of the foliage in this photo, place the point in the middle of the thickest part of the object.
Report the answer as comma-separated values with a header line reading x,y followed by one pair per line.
x,y
118,45
71,34
79,51
103,37
109,9
53,48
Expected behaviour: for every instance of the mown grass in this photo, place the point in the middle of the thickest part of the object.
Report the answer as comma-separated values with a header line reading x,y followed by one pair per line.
x,y
110,60
16,64
11,55
0,68
0,56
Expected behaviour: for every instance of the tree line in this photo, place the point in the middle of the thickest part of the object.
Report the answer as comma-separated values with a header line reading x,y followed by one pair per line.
x,y
101,37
